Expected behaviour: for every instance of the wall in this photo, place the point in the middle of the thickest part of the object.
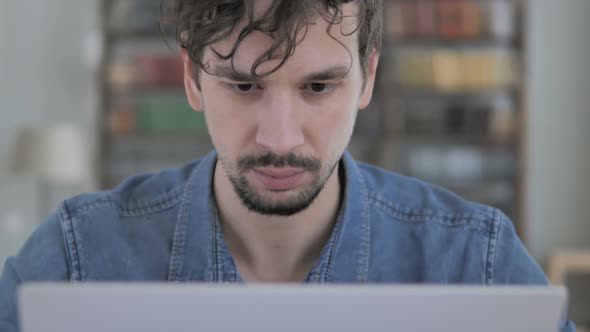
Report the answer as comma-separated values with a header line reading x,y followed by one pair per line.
x,y
44,79
559,117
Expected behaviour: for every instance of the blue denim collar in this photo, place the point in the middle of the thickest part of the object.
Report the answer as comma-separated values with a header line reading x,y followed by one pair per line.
x,y
199,251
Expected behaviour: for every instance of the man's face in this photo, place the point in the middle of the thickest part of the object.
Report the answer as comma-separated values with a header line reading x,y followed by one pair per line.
x,y
279,139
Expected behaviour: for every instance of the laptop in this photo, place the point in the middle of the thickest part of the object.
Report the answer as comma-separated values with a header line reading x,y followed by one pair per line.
x,y
95,307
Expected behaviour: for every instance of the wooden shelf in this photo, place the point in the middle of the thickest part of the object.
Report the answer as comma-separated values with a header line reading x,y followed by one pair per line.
x,y
484,41
146,33
404,92
150,139
136,91
446,140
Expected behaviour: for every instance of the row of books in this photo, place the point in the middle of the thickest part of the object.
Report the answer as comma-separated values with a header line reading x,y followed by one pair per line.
x,y
459,164
450,19
148,71
451,69
458,119
156,115
128,155
447,19
446,69
134,15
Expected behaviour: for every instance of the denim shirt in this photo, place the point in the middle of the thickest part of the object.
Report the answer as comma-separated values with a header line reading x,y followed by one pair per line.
x,y
164,227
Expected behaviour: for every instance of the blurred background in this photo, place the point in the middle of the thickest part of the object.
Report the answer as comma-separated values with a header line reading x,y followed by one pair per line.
x,y
489,98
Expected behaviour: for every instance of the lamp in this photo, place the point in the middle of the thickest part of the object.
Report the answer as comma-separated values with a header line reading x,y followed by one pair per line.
x,y
54,155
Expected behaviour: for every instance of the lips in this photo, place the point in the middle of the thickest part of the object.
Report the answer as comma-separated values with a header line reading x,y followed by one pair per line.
x,y
279,179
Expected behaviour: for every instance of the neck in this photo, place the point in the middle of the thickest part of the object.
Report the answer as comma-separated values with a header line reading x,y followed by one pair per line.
x,y
276,248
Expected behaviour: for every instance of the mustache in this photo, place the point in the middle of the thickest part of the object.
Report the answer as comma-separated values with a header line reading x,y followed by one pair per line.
x,y
271,159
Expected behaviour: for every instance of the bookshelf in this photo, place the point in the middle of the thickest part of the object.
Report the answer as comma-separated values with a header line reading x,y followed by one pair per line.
x,y
448,106
453,94
146,122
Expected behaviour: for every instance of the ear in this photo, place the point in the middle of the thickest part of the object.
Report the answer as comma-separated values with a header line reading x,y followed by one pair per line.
x,y
193,93
367,92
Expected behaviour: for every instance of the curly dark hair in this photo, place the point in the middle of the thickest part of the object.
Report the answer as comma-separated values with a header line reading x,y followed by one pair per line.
x,y
200,23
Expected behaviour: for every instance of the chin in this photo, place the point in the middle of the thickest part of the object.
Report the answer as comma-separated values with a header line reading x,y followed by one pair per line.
x,y
277,203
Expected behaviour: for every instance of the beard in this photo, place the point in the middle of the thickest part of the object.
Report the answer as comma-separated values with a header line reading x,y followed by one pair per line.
x,y
278,203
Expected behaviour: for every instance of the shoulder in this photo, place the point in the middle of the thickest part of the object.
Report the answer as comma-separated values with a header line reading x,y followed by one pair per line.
x,y
412,200
125,233
139,194
439,223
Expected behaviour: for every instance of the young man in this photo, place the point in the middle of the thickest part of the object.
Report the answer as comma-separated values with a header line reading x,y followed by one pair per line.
x,y
279,200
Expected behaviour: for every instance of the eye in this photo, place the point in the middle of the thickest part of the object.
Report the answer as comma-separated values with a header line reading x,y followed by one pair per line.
x,y
319,88
244,87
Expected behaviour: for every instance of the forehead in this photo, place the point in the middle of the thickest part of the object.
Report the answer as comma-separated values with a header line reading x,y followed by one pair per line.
x,y
320,44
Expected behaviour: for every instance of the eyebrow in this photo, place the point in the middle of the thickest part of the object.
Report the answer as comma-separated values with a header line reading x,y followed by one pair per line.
x,y
336,72
226,71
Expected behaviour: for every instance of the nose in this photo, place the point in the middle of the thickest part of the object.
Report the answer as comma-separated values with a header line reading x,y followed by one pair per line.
x,y
279,127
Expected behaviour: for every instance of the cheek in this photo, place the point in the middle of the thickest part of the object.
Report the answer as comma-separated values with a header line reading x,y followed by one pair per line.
x,y
330,128
229,124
